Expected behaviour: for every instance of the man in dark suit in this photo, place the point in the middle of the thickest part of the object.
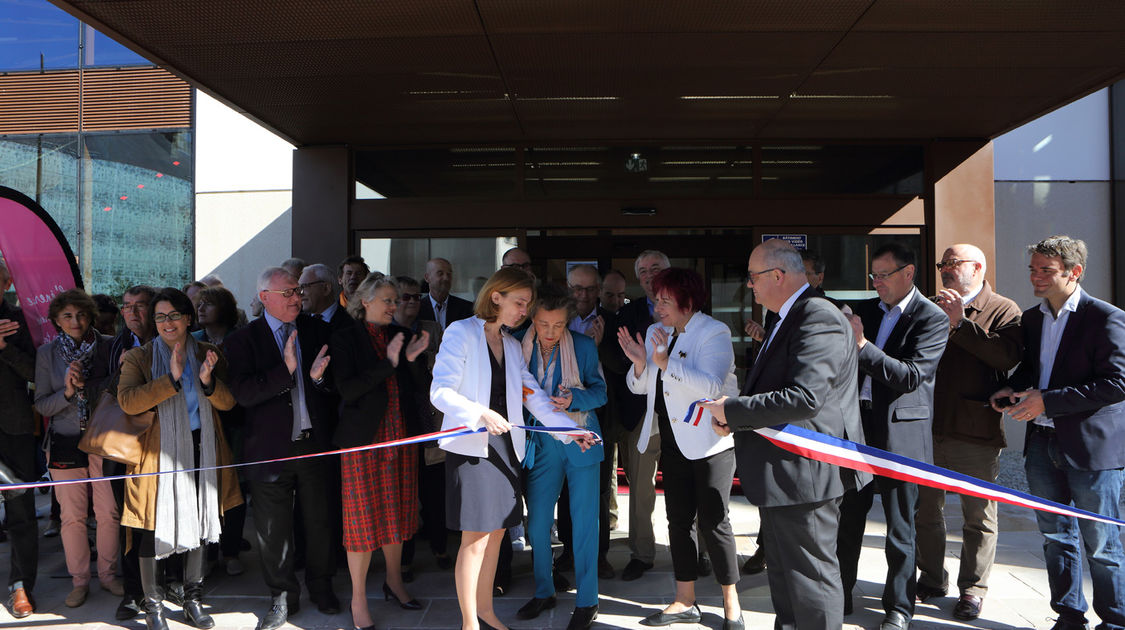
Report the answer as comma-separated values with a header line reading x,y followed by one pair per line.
x,y
1070,389
17,450
897,372
318,297
806,376
439,306
985,342
640,468
277,372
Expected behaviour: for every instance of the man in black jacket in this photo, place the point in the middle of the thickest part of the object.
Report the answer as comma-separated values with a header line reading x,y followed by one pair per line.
x,y
277,372
806,376
17,450
896,400
438,305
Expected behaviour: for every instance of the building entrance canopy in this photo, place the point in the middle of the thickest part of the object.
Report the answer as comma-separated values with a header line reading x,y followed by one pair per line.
x,y
361,73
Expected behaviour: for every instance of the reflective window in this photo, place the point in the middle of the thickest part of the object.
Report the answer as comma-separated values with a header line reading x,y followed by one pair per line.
x,y
842,169
45,168
473,259
34,34
100,50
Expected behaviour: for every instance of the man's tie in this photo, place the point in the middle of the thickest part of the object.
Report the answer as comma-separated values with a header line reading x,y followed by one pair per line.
x,y
438,308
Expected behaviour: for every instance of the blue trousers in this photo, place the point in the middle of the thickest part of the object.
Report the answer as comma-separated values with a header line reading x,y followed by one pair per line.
x,y
544,482
1050,476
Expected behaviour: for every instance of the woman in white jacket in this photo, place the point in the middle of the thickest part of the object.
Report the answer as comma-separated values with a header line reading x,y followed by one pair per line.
x,y
688,356
480,380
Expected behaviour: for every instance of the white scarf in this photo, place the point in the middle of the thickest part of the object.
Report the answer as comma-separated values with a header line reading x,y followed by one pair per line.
x,y
568,360
186,512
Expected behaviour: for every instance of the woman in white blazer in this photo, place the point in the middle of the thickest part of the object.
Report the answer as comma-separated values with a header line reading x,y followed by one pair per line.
x,y
687,356
480,380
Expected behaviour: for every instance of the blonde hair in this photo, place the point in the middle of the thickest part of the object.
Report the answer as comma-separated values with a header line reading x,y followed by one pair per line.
x,y
366,290
504,281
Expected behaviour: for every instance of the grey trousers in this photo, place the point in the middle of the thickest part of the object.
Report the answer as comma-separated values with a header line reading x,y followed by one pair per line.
x,y
640,469
978,547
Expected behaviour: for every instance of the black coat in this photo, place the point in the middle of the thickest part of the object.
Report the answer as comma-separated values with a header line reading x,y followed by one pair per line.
x,y
635,318
806,377
261,383
17,369
458,309
361,377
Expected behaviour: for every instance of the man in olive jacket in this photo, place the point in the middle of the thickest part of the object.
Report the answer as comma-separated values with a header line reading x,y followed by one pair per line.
x,y
985,342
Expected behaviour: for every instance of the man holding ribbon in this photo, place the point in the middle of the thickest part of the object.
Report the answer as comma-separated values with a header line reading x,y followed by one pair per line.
x,y
805,375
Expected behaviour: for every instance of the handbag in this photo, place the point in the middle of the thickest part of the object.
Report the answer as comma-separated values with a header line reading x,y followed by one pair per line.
x,y
114,434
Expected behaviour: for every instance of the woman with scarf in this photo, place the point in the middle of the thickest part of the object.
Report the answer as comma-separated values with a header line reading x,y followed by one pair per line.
x,y
566,365
182,379
374,370
70,373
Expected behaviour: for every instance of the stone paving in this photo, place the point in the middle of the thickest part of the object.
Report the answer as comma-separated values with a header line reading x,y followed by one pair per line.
x,y
1017,598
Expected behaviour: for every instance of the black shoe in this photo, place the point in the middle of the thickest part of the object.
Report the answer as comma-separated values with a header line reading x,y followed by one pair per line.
x,y
691,615
410,605
326,602
895,621
484,624
277,615
564,562
444,562
535,606
605,570
923,593
734,624
174,594
968,607
561,583
244,545
756,563
193,607
128,608
1060,624
582,618
635,569
704,568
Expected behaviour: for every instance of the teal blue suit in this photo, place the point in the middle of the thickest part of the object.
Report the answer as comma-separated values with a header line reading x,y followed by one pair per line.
x,y
549,461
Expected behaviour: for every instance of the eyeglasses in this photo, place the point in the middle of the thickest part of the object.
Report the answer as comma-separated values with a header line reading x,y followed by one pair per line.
x,y
951,263
160,318
305,287
287,293
411,297
136,307
881,277
577,289
525,266
752,275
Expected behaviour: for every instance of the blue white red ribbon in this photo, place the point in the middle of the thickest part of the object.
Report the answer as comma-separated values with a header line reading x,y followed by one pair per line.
x,y
447,433
694,413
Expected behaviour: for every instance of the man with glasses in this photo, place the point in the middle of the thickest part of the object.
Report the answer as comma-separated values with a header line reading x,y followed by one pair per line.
x,y
896,401
518,258
1070,390
318,297
984,344
277,373
439,305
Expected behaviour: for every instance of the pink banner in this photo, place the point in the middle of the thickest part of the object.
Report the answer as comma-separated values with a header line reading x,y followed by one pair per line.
x,y
38,257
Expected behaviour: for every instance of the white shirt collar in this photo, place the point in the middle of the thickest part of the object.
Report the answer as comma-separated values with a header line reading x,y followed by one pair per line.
x,y
327,313
784,310
972,295
274,322
901,306
1071,304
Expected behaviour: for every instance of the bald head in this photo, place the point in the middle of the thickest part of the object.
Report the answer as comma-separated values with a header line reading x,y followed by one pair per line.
x,y
439,275
963,268
775,272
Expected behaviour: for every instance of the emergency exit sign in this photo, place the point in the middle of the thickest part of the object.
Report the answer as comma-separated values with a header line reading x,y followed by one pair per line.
x,y
798,241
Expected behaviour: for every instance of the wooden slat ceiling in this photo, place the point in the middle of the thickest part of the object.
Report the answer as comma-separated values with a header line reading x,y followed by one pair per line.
x,y
457,71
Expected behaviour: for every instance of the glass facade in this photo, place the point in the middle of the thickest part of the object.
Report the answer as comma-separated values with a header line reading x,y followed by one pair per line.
x,y
37,35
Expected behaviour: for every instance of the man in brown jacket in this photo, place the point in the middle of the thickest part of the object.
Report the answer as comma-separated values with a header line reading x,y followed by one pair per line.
x,y
984,344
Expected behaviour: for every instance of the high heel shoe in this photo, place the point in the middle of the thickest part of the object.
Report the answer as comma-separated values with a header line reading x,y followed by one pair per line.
x,y
410,605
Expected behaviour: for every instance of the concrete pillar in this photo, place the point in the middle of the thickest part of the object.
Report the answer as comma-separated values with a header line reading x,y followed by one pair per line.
x,y
322,191
961,204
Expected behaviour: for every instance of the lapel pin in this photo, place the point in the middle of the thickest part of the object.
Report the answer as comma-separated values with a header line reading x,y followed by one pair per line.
x,y
683,355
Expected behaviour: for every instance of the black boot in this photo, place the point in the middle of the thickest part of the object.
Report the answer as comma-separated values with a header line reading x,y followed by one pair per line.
x,y
154,596
193,591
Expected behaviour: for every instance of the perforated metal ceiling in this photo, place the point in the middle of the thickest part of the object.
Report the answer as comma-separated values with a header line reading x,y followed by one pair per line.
x,y
453,71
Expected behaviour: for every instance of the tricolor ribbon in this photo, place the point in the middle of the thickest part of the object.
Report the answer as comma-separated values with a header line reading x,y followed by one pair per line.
x,y
447,433
694,413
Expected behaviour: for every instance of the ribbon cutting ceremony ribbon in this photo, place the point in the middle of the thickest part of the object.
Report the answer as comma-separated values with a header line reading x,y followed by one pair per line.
x,y
447,433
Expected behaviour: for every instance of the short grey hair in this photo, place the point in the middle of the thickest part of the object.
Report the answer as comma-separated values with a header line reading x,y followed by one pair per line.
x,y
588,268
366,290
784,256
321,272
269,274
212,280
651,253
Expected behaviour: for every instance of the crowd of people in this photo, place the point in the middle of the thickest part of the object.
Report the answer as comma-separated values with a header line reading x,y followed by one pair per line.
x,y
330,359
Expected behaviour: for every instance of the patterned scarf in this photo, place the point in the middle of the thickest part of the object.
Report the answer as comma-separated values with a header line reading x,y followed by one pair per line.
x,y
70,351
571,375
392,427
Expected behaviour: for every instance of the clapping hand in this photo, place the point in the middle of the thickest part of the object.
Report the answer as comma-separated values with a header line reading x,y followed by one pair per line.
x,y
176,363
634,349
320,364
73,381
290,353
953,304
394,348
597,329
7,329
417,345
660,352
206,368
754,330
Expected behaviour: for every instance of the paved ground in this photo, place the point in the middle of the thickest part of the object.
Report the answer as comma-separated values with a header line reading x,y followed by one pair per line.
x,y
1017,599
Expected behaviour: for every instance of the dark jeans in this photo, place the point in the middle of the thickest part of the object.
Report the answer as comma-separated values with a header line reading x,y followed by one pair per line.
x,y
130,560
899,503
18,453
273,519
1050,476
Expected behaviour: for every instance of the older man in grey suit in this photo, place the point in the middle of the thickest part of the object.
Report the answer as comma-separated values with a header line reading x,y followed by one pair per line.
x,y
805,375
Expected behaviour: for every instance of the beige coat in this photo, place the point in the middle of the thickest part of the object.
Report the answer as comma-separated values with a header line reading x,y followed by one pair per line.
x,y
137,394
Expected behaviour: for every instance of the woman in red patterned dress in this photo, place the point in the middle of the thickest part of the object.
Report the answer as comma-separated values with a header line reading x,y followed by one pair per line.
x,y
373,364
